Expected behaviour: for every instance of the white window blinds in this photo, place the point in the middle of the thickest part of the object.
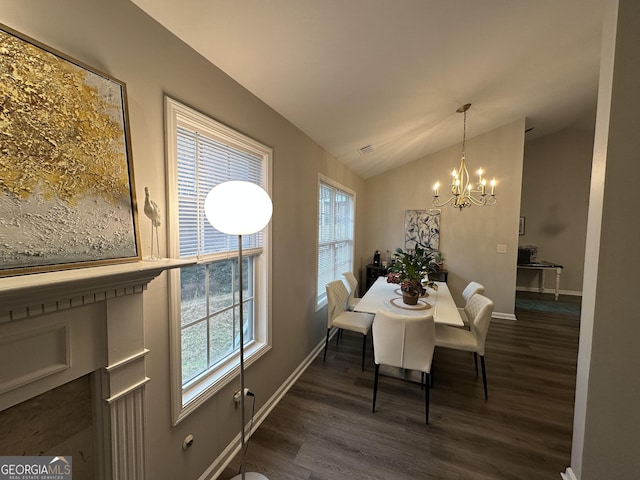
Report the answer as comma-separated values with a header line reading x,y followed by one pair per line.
x,y
204,163
335,235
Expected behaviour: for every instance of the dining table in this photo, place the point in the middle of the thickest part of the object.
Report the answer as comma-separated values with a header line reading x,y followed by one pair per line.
x,y
387,296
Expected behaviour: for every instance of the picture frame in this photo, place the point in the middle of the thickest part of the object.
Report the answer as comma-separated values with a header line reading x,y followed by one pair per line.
x,y
521,226
67,190
422,227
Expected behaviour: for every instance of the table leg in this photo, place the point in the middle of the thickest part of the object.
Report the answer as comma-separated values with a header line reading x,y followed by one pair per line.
x,y
558,272
541,280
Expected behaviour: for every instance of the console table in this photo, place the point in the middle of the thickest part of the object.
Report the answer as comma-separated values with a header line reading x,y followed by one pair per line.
x,y
541,268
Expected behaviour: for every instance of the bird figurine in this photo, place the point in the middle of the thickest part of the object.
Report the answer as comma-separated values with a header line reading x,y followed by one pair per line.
x,y
152,211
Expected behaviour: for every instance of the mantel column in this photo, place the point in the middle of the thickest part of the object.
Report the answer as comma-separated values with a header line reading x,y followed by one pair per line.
x,y
123,389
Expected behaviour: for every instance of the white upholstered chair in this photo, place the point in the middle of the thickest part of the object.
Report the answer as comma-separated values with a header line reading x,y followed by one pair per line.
x,y
352,284
469,291
338,316
478,310
404,342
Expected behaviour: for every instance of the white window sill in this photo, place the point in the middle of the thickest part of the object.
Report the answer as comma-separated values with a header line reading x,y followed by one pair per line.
x,y
207,385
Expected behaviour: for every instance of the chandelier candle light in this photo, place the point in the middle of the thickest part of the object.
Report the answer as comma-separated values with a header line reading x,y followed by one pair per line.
x,y
463,192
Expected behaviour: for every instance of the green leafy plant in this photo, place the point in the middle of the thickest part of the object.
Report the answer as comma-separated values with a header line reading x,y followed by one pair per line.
x,y
411,269
438,260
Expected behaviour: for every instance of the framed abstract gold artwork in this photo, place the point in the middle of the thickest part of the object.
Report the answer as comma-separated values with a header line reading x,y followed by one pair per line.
x,y
67,196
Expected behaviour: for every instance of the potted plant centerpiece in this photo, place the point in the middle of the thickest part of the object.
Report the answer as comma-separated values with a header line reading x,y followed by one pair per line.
x,y
410,270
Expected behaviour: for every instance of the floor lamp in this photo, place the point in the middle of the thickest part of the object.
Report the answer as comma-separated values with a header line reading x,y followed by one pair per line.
x,y
239,208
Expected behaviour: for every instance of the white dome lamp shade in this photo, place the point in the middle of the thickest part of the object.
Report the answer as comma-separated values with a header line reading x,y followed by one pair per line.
x,y
239,208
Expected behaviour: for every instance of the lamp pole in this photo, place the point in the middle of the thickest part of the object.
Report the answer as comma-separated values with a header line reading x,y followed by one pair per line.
x,y
239,208
242,399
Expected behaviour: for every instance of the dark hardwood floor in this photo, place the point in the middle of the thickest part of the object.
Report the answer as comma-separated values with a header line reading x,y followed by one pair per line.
x,y
323,428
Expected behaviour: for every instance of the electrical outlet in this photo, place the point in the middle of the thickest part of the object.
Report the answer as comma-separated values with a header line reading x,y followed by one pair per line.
x,y
187,442
502,248
236,395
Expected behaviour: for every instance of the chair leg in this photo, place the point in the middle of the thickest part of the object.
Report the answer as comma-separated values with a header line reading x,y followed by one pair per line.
x,y
364,349
338,336
375,388
475,361
431,374
326,344
484,377
426,402
421,380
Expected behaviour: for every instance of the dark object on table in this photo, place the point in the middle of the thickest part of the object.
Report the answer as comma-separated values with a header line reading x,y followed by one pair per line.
x,y
439,276
527,254
372,274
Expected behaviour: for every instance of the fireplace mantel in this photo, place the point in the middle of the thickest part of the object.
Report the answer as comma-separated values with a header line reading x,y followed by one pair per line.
x,y
30,295
58,326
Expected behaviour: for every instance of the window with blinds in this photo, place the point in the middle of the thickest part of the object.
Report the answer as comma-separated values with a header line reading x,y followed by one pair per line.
x,y
204,297
335,234
204,163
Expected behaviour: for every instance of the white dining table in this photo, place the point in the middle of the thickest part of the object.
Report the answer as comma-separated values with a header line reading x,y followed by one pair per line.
x,y
388,296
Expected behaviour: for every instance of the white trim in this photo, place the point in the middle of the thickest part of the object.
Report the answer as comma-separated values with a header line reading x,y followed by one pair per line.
x,y
574,293
185,402
101,428
27,296
28,343
568,475
126,391
336,184
128,360
108,326
331,182
224,459
127,435
214,383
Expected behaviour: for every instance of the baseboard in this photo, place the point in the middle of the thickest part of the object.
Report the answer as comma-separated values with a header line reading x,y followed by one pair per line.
x,y
568,475
224,459
549,290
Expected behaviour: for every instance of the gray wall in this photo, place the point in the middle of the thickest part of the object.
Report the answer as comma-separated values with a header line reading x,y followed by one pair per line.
x,y
468,238
606,429
119,39
555,200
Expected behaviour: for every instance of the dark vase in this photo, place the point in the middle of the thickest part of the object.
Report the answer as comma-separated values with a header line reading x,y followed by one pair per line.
x,y
409,298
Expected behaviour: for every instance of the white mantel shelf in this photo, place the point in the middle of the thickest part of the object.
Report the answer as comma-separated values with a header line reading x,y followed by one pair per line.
x,y
35,294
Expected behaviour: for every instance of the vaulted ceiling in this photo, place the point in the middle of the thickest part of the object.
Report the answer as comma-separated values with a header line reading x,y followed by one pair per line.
x,y
390,74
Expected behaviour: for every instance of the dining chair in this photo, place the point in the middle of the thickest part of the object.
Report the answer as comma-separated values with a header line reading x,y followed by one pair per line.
x,y
352,283
478,309
404,342
338,316
469,291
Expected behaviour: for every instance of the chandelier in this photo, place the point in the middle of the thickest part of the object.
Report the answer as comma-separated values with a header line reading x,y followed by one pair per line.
x,y
464,192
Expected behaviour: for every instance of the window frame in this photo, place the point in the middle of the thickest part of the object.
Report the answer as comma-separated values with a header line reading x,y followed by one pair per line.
x,y
186,400
321,299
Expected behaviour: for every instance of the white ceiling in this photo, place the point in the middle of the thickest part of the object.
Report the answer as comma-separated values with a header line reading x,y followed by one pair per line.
x,y
391,73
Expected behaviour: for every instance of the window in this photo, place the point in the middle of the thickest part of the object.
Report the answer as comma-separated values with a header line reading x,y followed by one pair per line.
x,y
204,308
335,234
